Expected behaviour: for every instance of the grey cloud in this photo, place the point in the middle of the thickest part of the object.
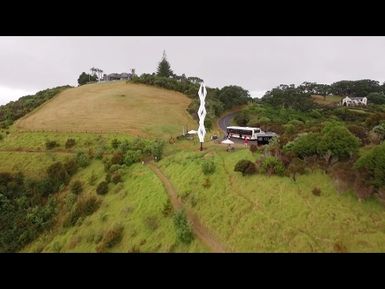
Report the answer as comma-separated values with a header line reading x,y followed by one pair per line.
x,y
256,63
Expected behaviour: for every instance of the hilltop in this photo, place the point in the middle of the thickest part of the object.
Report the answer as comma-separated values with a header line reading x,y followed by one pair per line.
x,y
135,109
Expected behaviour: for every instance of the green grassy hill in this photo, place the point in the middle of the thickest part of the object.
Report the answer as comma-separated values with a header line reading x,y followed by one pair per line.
x,y
256,213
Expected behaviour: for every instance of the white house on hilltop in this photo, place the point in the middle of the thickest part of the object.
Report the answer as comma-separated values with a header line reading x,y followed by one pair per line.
x,y
354,101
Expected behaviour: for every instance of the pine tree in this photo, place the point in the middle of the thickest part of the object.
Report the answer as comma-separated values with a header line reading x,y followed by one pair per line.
x,y
164,69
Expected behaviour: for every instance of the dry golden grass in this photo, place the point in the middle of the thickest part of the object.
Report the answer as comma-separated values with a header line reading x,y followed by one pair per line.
x,y
112,107
329,100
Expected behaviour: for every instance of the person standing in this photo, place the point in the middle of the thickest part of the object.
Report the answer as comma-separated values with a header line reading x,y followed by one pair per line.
x,y
246,141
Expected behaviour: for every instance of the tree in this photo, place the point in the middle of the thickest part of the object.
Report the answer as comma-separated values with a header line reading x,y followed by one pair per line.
x,y
338,141
242,119
376,97
372,165
85,78
233,95
164,69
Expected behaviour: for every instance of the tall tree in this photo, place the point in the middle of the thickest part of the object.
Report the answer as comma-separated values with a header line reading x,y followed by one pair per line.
x,y
164,69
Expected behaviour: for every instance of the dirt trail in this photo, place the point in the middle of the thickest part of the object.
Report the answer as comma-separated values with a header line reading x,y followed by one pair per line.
x,y
199,229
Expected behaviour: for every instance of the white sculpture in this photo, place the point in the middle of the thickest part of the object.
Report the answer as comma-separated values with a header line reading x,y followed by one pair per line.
x,y
202,114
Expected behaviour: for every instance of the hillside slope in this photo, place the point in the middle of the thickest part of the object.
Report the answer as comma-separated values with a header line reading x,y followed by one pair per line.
x,y
110,107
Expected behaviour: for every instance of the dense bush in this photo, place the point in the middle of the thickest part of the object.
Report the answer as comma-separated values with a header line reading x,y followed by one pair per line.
x,y
71,166
339,141
246,167
115,143
335,140
132,157
24,214
117,158
84,208
183,229
50,144
70,143
242,118
76,187
359,131
208,167
111,238
102,188
272,166
116,178
372,165
304,145
58,174
82,159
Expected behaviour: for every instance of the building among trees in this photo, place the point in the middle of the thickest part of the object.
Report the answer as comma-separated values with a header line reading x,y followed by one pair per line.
x,y
354,101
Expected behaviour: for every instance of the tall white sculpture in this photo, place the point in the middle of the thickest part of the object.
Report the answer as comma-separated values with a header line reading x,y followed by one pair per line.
x,y
202,114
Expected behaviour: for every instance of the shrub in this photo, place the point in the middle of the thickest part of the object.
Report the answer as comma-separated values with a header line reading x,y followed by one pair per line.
x,y
116,178
167,208
115,143
132,157
151,222
57,173
242,119
102,188
70,143
359,131
316,191
183,230
111,238
70,200
117,158
84,208
206,183
208,167
76,187
114,168
304,145
253,148
99,153
50,144
108,177
339,141
82,159
272,166
71,166
372,165
246,167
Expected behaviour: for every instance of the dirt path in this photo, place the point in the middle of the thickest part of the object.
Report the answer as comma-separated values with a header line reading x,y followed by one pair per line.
x,y
201,232
27,150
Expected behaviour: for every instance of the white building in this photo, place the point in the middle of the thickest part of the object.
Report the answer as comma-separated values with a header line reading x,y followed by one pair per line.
x,y
354,101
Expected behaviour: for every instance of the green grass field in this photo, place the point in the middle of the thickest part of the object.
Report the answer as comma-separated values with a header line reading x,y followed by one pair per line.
x,y
112,107
275,214
141,196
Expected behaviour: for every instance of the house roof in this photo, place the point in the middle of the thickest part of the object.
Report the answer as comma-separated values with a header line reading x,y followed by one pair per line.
x,y
355,98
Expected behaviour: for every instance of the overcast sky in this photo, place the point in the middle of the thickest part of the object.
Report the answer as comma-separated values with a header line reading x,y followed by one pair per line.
x,y
30,64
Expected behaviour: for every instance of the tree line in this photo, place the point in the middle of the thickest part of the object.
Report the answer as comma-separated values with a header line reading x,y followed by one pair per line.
x,y
298,97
